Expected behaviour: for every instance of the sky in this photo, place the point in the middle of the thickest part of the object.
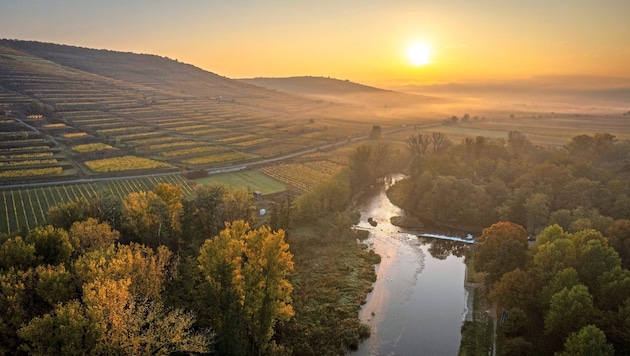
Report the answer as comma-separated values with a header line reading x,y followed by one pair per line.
x,y
365,41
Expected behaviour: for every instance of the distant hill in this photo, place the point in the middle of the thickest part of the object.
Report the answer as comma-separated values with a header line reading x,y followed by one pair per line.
x,y
150,71
386,103
313,85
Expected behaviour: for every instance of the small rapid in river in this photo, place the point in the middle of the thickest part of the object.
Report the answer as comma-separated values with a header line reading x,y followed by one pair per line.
x,y
418,302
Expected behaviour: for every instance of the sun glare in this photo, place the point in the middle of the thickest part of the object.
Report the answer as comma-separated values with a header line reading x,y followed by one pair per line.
x,y
419,54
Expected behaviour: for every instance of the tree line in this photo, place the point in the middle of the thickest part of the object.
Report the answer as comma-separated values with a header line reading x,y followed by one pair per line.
x,y
481,181
106,277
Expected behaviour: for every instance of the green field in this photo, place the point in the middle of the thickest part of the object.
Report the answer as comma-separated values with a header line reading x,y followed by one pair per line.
x,y
251,180
27,208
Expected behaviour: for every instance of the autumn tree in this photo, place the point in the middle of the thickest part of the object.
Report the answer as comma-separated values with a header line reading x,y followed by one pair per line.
x,y
146,218
514,289
16,253
93,235
135,326
246,274
172,197
146,269
52,245
502,248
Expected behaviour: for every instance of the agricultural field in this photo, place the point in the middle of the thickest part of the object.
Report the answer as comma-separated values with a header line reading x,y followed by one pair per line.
x,y
544,129
304,176
124,163
250,180
23,209
26,154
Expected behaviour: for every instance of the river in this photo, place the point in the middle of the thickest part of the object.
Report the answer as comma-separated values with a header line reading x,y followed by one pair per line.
x,y
418,302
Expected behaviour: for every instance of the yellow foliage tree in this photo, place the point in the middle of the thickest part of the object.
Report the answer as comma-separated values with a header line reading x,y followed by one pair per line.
x,y
246,271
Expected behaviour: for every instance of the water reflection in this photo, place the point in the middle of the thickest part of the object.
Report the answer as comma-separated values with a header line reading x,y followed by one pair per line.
x,y
441,249
417,304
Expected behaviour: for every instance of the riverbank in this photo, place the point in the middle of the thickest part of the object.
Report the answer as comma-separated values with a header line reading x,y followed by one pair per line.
x,y
478,327
332,276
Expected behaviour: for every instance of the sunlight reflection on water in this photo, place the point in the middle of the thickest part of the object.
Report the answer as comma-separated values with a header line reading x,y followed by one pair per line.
x,y
418,300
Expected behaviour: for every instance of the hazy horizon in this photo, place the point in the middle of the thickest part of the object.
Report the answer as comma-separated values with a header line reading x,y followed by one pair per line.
x,y
368,42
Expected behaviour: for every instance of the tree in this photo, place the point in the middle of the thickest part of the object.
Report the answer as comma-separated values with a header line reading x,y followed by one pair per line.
x,y
376,132
569,311
93,235
63,215
502,248
203,214
247,274
146,218
147,270
237,204
65,331
619,238
54,284
590,340
537,211
172,197
418,144
16,253
514,289
439,142
517,346
52,246
132,326
517,142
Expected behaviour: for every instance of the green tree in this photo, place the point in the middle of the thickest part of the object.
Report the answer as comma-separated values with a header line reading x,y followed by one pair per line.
x,y
569,311
590,340
517,346
619,238
63,215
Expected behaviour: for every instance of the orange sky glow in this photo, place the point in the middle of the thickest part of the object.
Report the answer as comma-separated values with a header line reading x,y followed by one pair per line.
x,y
363,41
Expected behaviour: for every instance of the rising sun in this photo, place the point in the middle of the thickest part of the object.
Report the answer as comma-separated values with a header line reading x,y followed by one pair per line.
x,y
419,54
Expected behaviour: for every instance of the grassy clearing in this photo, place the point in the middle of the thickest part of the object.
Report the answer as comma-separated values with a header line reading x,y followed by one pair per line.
x,y
250,180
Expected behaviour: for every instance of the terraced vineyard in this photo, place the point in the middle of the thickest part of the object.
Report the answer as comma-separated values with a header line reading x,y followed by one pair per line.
x,y
189,118
26,208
